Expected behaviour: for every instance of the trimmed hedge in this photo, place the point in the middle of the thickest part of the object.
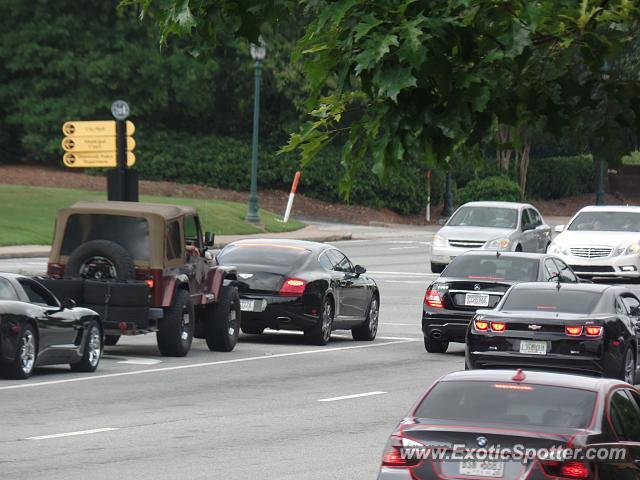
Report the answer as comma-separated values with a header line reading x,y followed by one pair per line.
x,y
490,188
557,177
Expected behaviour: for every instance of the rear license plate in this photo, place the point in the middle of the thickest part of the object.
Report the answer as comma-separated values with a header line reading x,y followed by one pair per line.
x,y
247,305
533,348
484,468
476,300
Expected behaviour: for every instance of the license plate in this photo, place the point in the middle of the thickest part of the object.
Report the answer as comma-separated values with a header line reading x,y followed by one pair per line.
x,y
247,305
476,300
533,348
482,468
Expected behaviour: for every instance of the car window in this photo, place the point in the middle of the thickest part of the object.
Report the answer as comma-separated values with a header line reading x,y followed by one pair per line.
x,y
525,218
625,416
551,300
566,274
37,294
493,217
340,262
325,261
536,219
606,221
551,270
630,302
621,308
490,267
191,231
7,292
173,242
264,253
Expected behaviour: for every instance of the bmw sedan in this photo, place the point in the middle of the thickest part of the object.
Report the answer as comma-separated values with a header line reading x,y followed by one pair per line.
x,y
36,329
298,285
479,279
518,425
503,226
587,328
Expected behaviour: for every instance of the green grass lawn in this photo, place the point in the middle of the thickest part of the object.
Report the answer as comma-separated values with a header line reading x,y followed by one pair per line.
x,y
28,213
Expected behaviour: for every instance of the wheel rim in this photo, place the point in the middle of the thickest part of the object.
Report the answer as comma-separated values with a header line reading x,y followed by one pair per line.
x,y
95,347
374,313
185,325
27,351
98,268
629,367
233,322
327,318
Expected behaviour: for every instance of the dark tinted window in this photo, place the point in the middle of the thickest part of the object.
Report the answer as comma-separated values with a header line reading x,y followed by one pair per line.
x,y
551,270
190,228
607,221
7,292
525,218
566,274
535,217
499,403
325,261
37,294
552,300
263,254
173,246
625,417
340,262
493,268
630,302
484,217
130,232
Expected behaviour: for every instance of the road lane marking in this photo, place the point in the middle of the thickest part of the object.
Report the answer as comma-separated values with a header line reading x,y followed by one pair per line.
x,y
401,324
410,274
72,434
413,339
140,361
382,280
200,365
349,397
403,248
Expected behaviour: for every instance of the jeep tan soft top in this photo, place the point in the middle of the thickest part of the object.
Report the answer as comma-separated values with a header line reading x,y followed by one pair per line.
x,y
156,214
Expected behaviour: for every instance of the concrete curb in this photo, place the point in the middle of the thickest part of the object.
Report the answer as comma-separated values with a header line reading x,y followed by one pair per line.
x,y
24,251
321,238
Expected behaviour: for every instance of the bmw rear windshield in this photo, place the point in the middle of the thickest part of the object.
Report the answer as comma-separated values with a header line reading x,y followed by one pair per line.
x,y
490,267
557,300
267,254
508,403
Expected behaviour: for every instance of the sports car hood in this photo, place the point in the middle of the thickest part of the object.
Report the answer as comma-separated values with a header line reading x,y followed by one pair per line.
x,y
594,238
474,233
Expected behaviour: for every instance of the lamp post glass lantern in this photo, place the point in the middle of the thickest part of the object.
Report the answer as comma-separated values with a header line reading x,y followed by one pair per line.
x,y
258,53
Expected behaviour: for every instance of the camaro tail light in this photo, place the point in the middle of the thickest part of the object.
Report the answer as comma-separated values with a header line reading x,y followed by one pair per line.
x,y
481,325
498,326
573,330
401,452
593,330
433,299
292,287
569,469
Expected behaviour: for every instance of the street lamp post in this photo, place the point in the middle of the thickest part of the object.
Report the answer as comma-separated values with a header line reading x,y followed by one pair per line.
x,y
258,53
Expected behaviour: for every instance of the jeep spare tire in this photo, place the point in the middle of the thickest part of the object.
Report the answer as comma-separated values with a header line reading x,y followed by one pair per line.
x,y
100,260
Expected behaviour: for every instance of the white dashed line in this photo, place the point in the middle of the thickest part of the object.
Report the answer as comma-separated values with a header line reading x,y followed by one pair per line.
x,y
72,434
349,397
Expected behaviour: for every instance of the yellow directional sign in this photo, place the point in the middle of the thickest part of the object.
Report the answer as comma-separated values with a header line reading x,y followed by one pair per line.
x,y
94,144
95,159
90,129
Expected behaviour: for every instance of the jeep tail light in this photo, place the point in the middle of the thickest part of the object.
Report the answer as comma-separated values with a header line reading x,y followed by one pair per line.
x,y
151,282
573,330
432,298
498,326
292,287
481,325
593,330
402,452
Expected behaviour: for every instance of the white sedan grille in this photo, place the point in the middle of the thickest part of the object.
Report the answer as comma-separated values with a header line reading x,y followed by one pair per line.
x,y
466,243
591,252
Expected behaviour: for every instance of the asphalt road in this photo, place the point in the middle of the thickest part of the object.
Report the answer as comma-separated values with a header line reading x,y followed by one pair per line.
x,y
271,409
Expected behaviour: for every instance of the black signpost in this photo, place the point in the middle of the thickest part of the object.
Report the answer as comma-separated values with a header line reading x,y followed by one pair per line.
x,y
122,182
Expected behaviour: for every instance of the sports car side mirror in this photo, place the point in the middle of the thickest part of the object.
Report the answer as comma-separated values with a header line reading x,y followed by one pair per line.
x,y
359,270
68,304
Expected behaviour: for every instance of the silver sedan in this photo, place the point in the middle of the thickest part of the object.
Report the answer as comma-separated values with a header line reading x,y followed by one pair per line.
x,y
502,226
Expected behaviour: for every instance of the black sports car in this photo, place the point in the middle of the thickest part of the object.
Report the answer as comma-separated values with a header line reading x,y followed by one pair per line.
x,y
298,285
581,327
479,280
518,426
36,329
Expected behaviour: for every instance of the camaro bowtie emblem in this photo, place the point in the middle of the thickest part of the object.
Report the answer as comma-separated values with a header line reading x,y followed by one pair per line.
x,y
535,327
482,441
245,275
477,287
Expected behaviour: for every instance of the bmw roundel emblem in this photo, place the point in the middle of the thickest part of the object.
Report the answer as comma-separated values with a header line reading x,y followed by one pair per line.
x,y
477,287
482,441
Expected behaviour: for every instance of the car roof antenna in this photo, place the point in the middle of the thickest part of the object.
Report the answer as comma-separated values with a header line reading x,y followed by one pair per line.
x,y
558,281
497,253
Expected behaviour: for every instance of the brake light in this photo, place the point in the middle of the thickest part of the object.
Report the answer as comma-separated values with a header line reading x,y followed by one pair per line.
x,y
593,331
509,386
575,470
498,326
151,282
573,331
433,299
401,452
481,325
292,287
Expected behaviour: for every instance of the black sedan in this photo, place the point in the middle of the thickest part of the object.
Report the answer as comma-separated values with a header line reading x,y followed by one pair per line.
x,y
479,280
518,426
298,285
36,329
585,328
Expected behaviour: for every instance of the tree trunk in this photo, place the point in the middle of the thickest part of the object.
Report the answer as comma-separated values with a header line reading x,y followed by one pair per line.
x,y
524,167
504,156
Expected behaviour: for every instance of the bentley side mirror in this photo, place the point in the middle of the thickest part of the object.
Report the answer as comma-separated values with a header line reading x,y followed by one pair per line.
x,y
209,239
359,270
68,304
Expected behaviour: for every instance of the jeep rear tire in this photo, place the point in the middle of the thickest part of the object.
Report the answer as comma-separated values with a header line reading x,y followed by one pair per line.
x,y
175,332
222,326
100,260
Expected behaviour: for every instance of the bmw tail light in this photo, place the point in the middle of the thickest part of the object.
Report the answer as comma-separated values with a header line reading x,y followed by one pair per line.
x,y
481,325
433,299
593,330
569,469
293,287
573,330
402,452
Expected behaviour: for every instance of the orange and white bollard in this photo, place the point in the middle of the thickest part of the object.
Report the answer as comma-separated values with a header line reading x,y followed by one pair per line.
x,y
294,187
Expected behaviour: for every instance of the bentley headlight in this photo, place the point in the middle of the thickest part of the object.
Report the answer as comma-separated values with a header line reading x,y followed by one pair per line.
x,y
498,243
439,241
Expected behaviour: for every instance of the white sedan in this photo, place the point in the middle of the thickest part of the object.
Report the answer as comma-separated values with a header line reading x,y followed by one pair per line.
x,y
502,226
601,242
